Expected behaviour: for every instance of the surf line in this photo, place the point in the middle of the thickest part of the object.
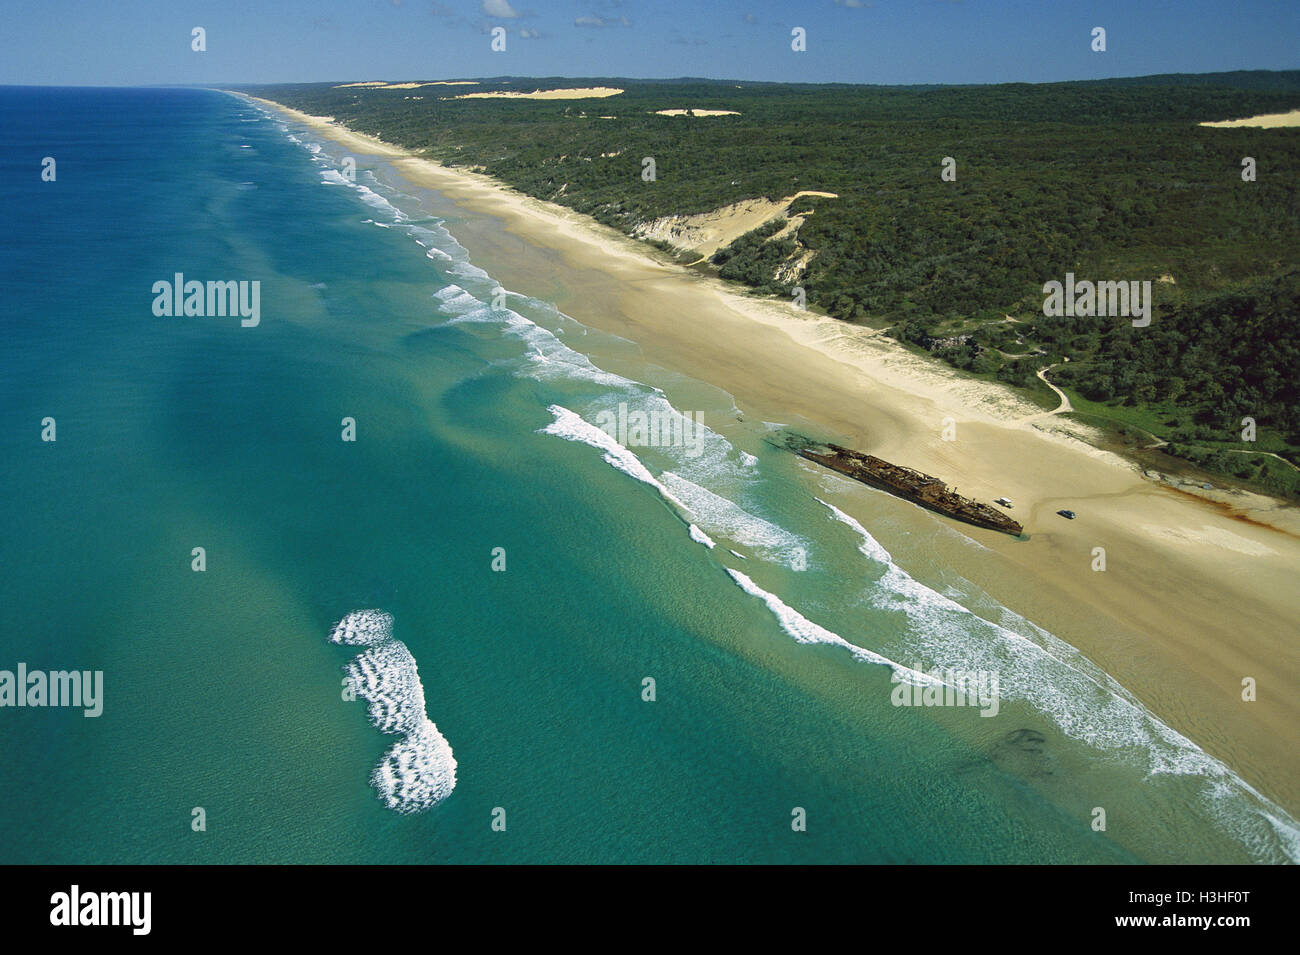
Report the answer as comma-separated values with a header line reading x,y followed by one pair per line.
x,y
975,688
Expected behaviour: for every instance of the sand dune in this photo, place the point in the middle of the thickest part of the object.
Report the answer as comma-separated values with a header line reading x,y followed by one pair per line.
x,y
590,92
380,84
414,86
1266,121
707,232
696,112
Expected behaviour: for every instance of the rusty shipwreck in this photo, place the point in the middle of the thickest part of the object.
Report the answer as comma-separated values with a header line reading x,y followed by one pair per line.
x,y
911,485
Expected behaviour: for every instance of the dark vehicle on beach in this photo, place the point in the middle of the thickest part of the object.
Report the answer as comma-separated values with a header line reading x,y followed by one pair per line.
x,y
1068,515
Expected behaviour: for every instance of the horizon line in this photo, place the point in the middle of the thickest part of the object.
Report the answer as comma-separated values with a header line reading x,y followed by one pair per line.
x,y
647,79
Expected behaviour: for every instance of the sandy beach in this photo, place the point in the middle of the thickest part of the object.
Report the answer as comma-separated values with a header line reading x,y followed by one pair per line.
x,y
1197,594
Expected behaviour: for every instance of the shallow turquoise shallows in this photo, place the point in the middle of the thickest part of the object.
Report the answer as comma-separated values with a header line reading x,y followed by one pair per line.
x,y
620,692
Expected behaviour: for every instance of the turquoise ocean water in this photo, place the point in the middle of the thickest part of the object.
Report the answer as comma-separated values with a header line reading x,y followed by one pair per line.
x,y
774,653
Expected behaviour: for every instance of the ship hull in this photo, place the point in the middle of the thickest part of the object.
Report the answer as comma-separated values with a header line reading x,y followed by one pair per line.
x,y
919,488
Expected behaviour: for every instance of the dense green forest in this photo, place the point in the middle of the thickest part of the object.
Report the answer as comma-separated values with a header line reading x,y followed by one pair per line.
x,y
1111,180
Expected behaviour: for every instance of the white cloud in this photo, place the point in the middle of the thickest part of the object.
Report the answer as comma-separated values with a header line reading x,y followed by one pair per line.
x,y
500,9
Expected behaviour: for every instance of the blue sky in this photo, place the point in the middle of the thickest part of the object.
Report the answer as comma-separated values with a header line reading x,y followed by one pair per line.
x,y
140,42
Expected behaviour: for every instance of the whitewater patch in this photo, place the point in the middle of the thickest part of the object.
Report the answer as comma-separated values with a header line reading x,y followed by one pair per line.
x,y
1084,701
419,770
362,628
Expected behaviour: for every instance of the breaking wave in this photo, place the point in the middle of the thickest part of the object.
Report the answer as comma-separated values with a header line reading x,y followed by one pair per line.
x,y
419,770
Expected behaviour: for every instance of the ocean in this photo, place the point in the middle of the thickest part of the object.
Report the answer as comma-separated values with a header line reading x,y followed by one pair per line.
x,y
611,622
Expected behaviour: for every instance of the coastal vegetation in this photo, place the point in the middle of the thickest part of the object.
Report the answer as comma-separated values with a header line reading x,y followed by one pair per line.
x,y
1110,180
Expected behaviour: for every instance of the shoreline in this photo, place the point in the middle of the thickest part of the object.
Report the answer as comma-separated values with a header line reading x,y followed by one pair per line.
x,y
1197,594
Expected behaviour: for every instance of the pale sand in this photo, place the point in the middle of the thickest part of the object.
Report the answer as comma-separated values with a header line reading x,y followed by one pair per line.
x,y
590,92
707,232
1193,599
1267,121
416,86
380,84
696,112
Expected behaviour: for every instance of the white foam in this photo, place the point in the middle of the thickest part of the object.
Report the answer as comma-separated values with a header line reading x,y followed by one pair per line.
x,y
545,356
700,537
869,547
385,676
468,270
456,300
726,518
572,427
548,357
363,628
332,177
695,450
805,631
372,198
419,770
